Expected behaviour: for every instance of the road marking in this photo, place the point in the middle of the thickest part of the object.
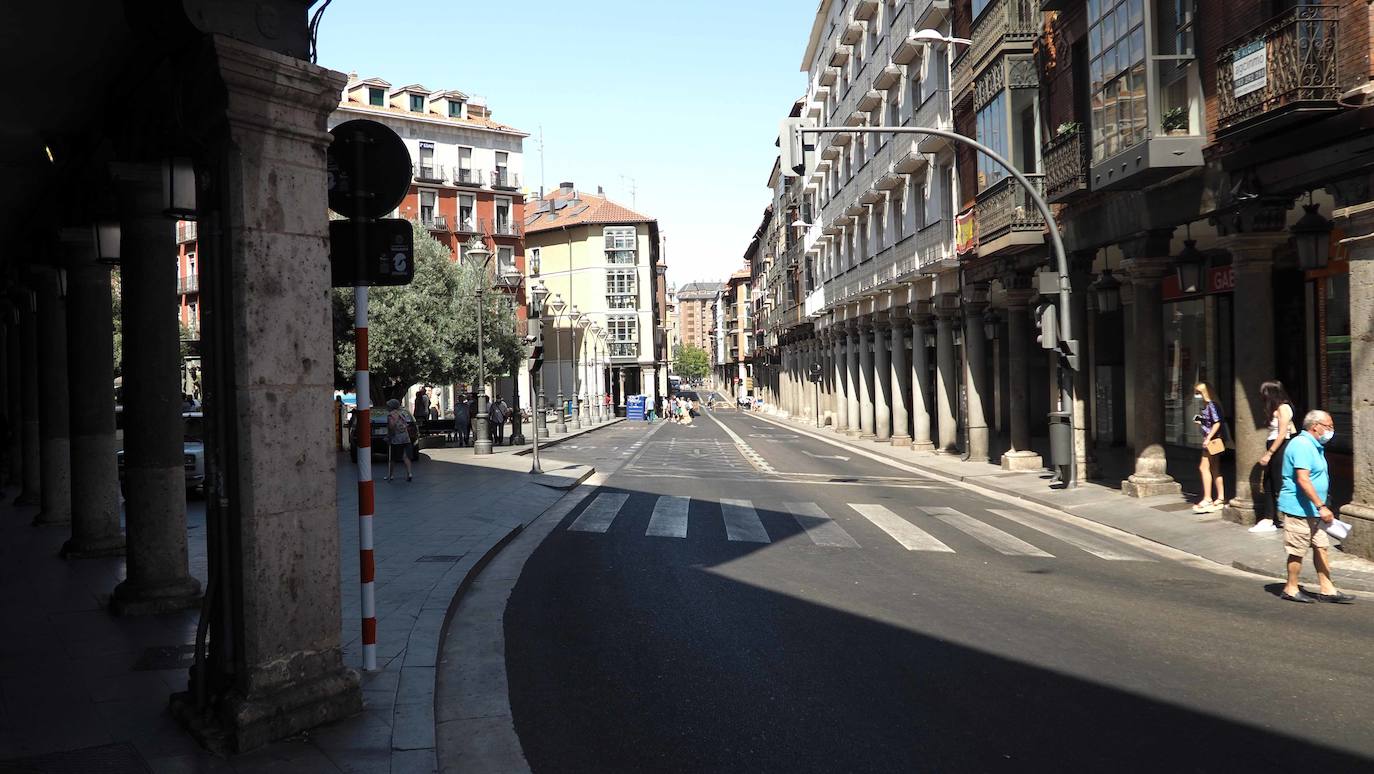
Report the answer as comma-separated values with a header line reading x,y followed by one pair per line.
x,y
742,522
1098,547
986,534
754,458
669,518
826,456
912,537
600,514
822,529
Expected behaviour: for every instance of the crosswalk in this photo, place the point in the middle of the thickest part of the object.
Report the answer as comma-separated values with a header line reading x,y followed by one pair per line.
x,y
917,528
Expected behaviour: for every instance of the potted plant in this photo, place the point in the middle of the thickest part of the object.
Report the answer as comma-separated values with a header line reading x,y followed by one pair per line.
x,y
1175,122
1067,128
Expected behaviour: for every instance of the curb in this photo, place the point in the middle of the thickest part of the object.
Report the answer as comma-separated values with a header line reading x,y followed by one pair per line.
x,y
554,441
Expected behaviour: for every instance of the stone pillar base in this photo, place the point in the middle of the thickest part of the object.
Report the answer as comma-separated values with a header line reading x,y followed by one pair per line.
x,y
1149,486
237,724
869,436
1240,511
150,599
901,440
24,498
922,446
1022,460
42,519
853,433
1361,540
110,546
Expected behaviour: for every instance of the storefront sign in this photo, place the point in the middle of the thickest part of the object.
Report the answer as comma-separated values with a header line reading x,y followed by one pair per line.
x,y
1248,65
965,233
1220,279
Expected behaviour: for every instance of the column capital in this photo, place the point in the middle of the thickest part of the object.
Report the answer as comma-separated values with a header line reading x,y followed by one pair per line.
x,y
898,315
921,311
1252,249
947,306
1153,243
975,297
1019,298
1148,271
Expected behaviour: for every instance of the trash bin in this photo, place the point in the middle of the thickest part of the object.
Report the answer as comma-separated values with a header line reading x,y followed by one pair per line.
x,y
1061,438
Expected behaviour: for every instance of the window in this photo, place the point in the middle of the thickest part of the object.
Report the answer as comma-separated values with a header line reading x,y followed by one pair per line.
x,y
621,244
376,97
427,206
503,177
465,166
466,220
417,103
426,170
1116,72
533,261
505,261
455,108
624,335
620,289
190,264
979,6
503,224
992,131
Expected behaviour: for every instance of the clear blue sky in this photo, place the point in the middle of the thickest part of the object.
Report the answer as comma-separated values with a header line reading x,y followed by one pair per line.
x,y
620,87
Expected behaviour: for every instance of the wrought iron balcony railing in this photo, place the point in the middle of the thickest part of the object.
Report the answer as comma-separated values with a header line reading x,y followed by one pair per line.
x,y
1066,166
466,176
1005,207
508,227
436,223
186,231
428,173
504,178
189,283
1001,22
1286,64
624,349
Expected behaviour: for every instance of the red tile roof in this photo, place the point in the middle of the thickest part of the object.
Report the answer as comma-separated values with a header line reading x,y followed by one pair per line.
x,y
587,209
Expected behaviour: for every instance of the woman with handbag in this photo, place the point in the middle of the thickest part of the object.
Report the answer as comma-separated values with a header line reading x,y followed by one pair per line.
x,y
1281,429
1209,420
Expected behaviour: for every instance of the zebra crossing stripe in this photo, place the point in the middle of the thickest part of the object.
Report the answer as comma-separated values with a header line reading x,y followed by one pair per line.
x,y
822,530
988,535
599,515
669,518
742,522
912,537
1099,547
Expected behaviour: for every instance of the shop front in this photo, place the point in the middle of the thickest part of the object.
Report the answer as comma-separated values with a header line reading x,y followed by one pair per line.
x,y
1197,348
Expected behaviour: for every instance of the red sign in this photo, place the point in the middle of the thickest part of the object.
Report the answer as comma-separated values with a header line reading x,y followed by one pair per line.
x,y
1219,279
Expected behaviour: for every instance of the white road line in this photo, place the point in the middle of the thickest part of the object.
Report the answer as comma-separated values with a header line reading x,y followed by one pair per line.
x,y
822,530
1103,549
600,514
669,518
912,537
742,522
744,448
986,534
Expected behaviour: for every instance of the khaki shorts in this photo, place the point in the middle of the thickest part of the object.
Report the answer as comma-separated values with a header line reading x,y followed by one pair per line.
x,y
1301,533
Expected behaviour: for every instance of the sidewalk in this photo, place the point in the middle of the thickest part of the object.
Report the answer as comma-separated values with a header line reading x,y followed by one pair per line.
x,y
1166,519
547,438
82,690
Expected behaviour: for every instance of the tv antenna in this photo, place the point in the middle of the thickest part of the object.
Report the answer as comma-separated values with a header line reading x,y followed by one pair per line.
x,y
634,190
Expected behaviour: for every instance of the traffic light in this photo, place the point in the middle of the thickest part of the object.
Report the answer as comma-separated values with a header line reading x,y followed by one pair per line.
x,y
1047,326
791,147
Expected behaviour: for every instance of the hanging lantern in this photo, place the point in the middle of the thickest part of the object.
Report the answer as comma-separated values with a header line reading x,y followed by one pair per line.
x,y
178,188
107,236
929,339
1312,238
991,320
1107,292
1190,263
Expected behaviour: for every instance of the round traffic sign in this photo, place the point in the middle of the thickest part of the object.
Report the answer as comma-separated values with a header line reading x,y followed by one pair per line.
x,y
369,152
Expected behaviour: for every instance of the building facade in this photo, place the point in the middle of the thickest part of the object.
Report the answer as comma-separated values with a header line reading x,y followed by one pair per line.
x,y
1209,171
602,261
695,318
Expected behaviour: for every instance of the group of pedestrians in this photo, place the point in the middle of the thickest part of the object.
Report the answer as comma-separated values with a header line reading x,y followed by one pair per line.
x,y
1295,478
678,409
465,409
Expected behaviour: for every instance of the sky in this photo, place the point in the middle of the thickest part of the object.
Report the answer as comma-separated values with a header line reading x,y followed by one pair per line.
x,y
672,107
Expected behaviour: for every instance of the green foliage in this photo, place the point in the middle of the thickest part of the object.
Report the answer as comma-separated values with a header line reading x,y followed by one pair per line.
x,y
116,296
426,331
691,362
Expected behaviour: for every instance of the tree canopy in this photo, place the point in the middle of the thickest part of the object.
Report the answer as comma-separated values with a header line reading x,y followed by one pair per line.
x,y
691,362
426,332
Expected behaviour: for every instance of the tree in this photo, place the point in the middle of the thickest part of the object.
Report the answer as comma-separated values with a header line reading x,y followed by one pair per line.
x,y
691,362
426,331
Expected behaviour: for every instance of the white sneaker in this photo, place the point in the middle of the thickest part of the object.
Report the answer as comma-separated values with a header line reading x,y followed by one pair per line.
x,y
1264,525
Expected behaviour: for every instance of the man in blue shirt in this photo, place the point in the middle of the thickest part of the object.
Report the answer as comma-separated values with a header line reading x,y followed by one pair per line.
x,y
1302,499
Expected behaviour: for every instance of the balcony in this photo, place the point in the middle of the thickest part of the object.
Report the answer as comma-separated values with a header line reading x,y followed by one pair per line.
x,y
887,77
1066,166
840,55
186,231
466,176
829,76
1279,73
869,100
507,227
624,349
864,9
852,33
505,179
935,247
189,283
469,225
622,302
1004,25
934,113
1008,221
435,223
427,173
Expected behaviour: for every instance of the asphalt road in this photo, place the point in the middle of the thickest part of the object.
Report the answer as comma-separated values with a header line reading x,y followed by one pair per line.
x,y
738,597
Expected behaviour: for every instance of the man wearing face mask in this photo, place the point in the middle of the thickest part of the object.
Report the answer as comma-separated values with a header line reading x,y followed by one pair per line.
x,y
1302,500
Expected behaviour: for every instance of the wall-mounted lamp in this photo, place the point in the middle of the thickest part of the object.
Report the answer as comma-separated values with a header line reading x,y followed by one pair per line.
x,y
1312,237
178,188
1107,292
991,322
1190,263
107,236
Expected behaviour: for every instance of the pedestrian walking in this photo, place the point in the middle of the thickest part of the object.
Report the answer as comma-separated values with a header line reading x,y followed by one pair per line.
x,y
497,418
397,438
1209,420
1302,501
462,420
1281,430
422,403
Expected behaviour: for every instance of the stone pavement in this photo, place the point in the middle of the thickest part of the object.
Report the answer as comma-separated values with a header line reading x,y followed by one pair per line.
x,y
1166,519
82,690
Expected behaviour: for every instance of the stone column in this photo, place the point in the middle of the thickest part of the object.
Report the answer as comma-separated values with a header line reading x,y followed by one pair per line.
x,y
1081,277
855,386
900,379
920,380
1253,355
90,347
867,414
1018,342
840,376
1148,264
55,446
946,383
158,578
882,380
976,373
275,664
14,404
1357,220
30,442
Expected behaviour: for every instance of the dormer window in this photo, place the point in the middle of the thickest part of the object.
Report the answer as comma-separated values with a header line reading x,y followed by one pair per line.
x,y
417,103
376,97
455,108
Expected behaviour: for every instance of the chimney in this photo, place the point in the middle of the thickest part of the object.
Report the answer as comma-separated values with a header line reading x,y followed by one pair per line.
x,y
600,191
566,188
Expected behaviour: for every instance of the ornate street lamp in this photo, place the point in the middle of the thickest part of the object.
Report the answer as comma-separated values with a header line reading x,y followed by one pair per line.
x,y
510,280
178,188
558,305
1312,237
481,444
1190,263
539,293
990,322
575,317
1107,292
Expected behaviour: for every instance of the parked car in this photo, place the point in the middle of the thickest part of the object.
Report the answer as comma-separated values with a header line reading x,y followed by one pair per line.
x,y
192,448
381,447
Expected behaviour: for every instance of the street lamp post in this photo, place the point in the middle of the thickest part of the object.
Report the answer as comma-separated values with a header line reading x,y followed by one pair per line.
x,y
589,415
557,304
541,424
596,373
575,317
511,280
481,443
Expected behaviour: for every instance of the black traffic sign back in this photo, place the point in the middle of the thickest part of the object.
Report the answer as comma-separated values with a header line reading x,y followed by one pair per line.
x,y
387,258
366,155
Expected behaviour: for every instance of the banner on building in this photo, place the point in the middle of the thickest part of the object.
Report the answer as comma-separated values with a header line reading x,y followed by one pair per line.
x,y
965,233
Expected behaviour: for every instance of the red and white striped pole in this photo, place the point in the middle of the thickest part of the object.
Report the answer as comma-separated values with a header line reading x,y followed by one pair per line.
x,y
367,567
